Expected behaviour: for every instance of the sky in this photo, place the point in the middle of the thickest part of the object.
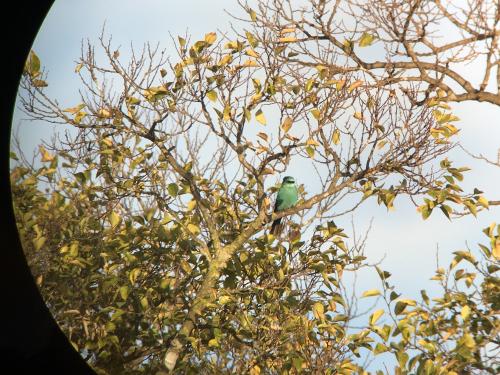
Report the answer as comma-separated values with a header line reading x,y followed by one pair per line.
x,y
406,243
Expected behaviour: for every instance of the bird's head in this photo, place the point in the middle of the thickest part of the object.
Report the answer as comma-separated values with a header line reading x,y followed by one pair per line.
x,y
289,180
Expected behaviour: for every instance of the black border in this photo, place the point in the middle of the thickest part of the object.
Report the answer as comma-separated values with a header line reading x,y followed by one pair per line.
x,y
30,339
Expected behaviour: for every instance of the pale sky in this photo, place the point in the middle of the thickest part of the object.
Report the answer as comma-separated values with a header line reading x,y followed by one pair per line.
x,y
408,243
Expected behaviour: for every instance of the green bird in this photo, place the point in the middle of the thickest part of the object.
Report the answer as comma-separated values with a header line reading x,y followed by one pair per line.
x,y
288,195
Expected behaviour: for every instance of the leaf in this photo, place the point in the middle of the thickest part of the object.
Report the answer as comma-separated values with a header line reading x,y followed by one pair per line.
x,y
39,83
46,156
32,66
78,67
173,189
182,41
252,40
191,205
312,142
482,201
287,39
250,64
336,137
287,124
358,116
75,109
210,38
253,15
251,52
226,59
79,117
319,310
316,113
114,219
355,85
212,95
310,151
371,293
264,136
259,116
376,316
465,312
39,242
194,229
366,40
124,292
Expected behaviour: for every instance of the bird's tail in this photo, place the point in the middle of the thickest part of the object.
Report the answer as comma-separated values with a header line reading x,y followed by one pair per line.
x,y
276,228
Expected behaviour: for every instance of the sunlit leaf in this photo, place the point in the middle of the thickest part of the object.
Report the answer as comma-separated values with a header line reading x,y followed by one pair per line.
x,y
259,116
287,124
366,40
371,293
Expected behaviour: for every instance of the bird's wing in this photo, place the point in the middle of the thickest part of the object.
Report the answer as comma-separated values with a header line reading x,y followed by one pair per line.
x,y
278,202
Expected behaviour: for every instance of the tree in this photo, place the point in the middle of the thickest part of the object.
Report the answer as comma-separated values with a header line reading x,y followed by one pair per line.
x,y
156,208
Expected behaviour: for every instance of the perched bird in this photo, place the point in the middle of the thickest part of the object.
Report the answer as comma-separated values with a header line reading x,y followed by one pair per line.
x,y
287,197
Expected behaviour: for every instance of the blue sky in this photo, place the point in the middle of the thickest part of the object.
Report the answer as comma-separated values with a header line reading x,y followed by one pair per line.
x,y
408,243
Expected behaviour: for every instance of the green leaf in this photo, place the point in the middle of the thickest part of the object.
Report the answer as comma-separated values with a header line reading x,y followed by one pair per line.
x,y
310,151
173,189
32,66
124,292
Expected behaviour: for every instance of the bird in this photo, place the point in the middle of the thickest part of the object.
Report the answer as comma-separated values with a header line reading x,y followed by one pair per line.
x,y
287,197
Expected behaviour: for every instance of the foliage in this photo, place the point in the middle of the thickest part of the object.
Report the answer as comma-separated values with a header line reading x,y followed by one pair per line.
x,y
146,225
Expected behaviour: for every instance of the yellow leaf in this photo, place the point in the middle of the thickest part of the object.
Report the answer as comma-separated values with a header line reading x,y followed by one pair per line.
x,y
75,109
210,38
381,144
358,116
287,30
316,113
226,59
79,116
366,40
114,219
355,85
212,95
250,64
194,229
376,316
288,39
227,113
340,84
371,293
191,205
496,249
46,156
318,310
336,137
255,370
312,142
251,52
465,312
104,113
287,124
224,299
259,116
483,202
